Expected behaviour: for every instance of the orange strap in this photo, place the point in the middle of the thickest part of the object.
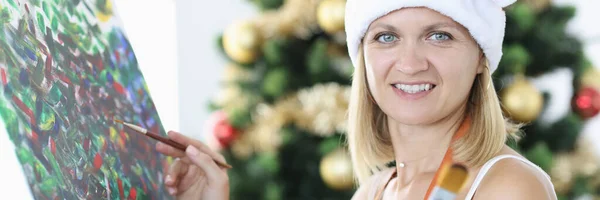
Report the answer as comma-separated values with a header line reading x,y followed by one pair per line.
x,y
447,161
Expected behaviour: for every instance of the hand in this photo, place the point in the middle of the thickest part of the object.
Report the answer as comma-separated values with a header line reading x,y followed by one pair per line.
x,y
194,174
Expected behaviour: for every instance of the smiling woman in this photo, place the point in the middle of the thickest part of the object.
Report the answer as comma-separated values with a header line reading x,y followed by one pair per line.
x,y
423,82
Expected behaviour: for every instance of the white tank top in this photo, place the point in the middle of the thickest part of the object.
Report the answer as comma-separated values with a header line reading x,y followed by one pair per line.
x,y
486,167
482,172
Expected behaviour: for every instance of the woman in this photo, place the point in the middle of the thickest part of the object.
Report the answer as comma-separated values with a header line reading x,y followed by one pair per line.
x,y
421,92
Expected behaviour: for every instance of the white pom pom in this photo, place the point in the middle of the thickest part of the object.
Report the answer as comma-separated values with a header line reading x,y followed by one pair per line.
x,y
504,3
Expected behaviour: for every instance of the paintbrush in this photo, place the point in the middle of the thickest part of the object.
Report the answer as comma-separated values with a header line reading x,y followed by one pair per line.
x,y
167,141
451,184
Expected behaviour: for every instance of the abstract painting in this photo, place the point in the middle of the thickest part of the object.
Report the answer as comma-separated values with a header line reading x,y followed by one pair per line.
x,y
67,70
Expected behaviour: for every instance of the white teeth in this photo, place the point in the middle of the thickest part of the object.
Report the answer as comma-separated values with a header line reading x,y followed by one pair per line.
x,y
411,89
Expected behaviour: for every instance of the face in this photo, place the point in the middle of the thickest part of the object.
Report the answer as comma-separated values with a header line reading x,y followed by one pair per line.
x,y
420,65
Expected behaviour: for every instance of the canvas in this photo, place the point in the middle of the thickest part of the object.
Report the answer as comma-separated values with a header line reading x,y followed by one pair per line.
x,y
67,70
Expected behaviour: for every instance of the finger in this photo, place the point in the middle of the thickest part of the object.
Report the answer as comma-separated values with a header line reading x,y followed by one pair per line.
x,y
178,137
172,190
193,175
176,170
207,164
168,150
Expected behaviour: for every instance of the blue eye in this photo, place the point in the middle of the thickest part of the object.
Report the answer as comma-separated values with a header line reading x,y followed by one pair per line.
x,y
440,36
386,38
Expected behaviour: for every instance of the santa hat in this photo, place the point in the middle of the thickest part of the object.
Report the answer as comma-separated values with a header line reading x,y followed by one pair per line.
x,y
485,20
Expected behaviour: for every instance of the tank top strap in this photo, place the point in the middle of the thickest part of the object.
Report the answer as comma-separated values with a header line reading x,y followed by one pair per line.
x,y
488,165
379,192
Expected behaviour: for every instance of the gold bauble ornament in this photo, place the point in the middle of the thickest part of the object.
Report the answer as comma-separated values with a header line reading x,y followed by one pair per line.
x,y
336,170
242,41
522,100
562,173
234,72
591,77
537,5
330,15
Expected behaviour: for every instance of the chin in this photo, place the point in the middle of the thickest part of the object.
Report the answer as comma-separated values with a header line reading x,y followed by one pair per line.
x,y
412,118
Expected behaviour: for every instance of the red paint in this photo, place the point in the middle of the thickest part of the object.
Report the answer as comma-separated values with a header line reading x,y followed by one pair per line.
x,y
25,109
104,145
144,187
132,194
97,161
152,162
34,137
117,58
86,144
3,73
119,88
120,185
43,47
122,134
52,145
97,62
64,78
48,69
72,172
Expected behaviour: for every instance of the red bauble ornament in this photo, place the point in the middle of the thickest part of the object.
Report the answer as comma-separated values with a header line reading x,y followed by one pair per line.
x,y
224,133
587,102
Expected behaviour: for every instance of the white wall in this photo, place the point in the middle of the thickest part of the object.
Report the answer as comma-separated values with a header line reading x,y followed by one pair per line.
x,y
151,29
200,64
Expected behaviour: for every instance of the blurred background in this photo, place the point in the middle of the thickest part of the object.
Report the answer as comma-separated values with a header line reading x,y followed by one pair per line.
x,y
265,82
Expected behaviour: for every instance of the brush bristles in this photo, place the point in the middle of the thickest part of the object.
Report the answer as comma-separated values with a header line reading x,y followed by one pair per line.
x,y
455,178
118,121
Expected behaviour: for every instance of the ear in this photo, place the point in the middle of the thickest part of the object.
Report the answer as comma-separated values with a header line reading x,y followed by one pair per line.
x,y
483,63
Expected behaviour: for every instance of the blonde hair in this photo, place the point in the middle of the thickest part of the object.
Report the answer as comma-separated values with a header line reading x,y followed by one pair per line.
x,y
369,140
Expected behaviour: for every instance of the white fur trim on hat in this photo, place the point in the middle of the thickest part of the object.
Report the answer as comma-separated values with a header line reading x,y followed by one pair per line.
x,y
484,19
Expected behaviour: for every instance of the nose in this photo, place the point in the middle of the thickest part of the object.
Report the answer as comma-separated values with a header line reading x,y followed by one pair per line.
x,y
411,59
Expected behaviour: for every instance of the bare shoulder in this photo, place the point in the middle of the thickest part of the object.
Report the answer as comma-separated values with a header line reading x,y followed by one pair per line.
x,y
515,179
368,189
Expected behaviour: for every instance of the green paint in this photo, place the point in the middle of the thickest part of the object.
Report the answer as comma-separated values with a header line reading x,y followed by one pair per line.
x,y
46,9
25,155
10,120
49,185
54,24
54,95
41,22
38,73
5,15
47,118
57,172
13,4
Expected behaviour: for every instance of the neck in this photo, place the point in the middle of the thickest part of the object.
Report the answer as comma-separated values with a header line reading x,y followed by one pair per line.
x,y
421,148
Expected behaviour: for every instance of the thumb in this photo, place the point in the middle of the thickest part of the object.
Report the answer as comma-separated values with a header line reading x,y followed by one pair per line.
x,y
206,163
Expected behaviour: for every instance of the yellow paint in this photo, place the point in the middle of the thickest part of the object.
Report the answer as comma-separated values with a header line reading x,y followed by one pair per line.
x,y
113,133
102,141
48,124
104,17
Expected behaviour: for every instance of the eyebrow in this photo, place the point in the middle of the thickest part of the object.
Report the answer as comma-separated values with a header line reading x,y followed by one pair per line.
x,y
427,28
384,26
442,25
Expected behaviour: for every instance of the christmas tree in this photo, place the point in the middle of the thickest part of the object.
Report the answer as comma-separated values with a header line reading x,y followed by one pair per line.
x,y
280,116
